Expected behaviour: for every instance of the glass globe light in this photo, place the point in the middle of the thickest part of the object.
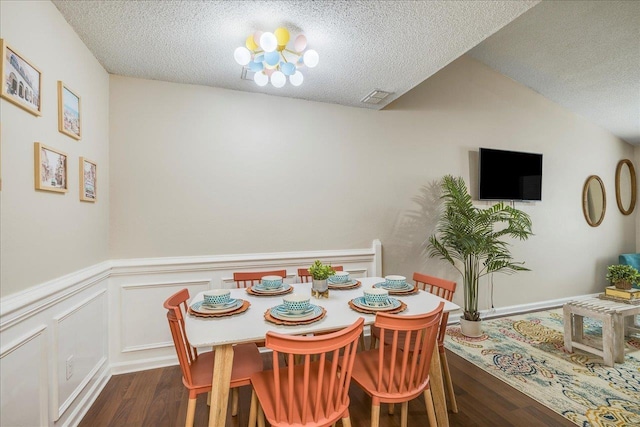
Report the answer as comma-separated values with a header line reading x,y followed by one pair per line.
x,y
260,78
242,55
311,58
296,78
278,79
268,42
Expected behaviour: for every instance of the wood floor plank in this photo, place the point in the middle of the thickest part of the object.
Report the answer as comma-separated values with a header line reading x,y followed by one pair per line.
x,y
157,398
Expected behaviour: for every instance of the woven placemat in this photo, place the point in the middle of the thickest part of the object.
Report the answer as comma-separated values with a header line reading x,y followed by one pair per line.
x,y
354,307
250,291
269,318
339,288
244,307
413,290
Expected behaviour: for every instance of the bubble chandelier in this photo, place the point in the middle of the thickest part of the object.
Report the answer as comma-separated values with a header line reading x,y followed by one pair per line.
x,y
267,55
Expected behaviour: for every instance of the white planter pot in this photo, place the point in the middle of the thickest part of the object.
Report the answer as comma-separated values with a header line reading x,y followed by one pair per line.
x,y
319,285
470,328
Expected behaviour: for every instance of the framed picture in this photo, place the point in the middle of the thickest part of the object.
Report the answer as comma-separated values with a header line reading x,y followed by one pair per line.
x,y
50,169
21,81
88,180
68,112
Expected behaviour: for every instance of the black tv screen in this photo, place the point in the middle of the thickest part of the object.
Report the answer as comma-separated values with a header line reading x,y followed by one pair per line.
x,y
510,175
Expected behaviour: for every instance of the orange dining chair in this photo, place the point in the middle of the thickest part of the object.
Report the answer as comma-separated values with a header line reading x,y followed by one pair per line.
x,y
250,278
311,393
197,369
305,276
391,374
444,289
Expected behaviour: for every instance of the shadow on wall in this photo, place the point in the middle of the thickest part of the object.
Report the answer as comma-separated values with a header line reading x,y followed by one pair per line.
x,y
408,241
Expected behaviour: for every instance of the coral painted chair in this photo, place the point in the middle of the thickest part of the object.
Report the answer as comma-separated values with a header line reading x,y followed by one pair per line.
x,y
197,369
248,278
444,289
391,374
310,393
305,276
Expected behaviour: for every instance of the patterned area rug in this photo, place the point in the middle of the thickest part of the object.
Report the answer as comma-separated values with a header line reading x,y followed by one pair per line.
x,y
527,352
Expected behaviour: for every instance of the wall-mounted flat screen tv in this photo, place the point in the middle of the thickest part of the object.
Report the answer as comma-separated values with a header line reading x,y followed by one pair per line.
x,y
510,175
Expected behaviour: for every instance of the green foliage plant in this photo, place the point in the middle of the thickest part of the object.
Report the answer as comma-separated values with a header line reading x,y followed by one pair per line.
x,y
320,271
472,239
622,273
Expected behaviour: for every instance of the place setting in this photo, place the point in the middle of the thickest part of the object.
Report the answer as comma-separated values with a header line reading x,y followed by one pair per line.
x,y
270,286
296,309
218,303
396,285
341,280
375,300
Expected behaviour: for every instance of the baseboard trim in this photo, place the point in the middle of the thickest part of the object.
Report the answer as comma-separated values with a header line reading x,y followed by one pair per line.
x,y
143,365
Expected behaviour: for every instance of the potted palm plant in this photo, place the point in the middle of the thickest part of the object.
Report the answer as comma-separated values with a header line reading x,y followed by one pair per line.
x,y
319,274
472,240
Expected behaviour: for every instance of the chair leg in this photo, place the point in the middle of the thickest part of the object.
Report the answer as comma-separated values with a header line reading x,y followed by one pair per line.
x,y
191,412
208,398
392,408
431,410
448,383
375,415
260,416
234,401
361,345
346,422
404,409
373,341
253,409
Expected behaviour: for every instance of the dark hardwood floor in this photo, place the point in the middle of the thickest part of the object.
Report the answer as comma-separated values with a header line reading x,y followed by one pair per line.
x,y
158,398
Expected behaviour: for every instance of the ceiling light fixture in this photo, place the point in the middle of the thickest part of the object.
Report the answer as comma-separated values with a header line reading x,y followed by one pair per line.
x,y
267,55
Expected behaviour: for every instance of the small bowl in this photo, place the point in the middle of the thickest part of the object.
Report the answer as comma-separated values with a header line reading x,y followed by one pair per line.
x,y
271,282
339,277
296,303
395,282
217,296
376,296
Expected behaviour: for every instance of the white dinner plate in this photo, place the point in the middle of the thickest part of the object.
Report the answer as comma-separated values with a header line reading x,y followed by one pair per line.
x,y
262,290
201,307
341,284
279,312
360,302
383,285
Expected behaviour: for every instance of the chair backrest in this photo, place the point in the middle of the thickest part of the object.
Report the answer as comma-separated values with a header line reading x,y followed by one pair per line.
x,y
311,391
442,288
406,372
176,306
305,276
250,278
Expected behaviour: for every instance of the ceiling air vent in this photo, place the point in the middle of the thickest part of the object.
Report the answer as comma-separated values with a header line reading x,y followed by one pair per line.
x,y
376,97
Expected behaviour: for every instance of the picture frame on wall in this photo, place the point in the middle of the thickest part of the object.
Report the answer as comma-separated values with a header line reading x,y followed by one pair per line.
x,y
21,80
69,116
88,180
50,167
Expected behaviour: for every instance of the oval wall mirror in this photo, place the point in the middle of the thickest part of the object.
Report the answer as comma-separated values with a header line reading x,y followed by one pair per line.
x,y
594,200
626,186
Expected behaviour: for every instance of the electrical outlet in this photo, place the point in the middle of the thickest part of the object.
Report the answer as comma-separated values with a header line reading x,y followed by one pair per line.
x,y
69,366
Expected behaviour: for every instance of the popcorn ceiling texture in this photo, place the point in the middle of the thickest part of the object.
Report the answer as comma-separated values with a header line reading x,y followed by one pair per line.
x,y
363,45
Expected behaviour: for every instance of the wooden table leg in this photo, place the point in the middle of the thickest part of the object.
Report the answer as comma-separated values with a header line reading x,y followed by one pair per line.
x,y
437,389
223,363
618,338
568,327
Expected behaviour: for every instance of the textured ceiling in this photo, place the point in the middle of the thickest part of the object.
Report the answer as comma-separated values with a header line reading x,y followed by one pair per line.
x,y
582,55
363,45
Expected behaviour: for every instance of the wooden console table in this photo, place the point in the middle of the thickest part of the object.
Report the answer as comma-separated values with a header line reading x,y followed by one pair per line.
x,y
618,319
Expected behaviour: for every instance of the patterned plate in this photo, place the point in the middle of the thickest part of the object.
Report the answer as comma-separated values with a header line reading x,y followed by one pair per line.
x,y
216,307
349,283
352,284
407,289
199,309
259,289
279,312
361,303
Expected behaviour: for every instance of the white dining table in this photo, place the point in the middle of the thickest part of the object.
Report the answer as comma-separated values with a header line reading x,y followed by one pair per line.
x,y
222,333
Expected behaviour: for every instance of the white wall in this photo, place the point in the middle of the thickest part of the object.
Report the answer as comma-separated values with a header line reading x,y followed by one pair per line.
x,y
198,170
47,235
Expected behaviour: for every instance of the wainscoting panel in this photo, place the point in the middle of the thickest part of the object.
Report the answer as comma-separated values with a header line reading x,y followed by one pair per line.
x,y
24,391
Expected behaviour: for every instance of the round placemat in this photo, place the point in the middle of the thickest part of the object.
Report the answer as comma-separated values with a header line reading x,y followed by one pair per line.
x,y
269,318
244,307
354,307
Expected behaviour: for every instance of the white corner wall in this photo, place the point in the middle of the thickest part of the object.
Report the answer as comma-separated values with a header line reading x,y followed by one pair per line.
x,y
199,170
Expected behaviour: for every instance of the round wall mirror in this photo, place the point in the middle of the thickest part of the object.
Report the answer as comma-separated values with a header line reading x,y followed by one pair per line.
x,y
626,186
594,200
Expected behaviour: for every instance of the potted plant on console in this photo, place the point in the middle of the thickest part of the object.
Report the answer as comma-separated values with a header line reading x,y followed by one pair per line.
x,y
319,274
472,240
622,276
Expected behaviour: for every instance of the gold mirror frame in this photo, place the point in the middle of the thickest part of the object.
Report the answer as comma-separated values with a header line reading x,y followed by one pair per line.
x,y
632,173
585,201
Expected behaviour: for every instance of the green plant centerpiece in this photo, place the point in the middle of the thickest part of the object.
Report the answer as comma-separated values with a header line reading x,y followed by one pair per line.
x,y
622,276
472,239
320,273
